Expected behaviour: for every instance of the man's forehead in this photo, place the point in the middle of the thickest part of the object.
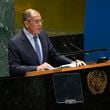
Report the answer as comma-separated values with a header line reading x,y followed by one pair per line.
x,y
35,15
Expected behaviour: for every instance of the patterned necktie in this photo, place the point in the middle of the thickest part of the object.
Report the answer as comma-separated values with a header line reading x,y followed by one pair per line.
x,y
38,51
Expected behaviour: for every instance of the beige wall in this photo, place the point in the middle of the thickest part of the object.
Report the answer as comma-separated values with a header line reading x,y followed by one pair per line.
x,y
60,16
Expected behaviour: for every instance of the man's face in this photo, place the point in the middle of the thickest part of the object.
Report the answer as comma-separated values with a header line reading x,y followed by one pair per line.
x,y
34,23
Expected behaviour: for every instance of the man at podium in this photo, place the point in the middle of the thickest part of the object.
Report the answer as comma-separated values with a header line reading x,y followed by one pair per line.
x,y
31,49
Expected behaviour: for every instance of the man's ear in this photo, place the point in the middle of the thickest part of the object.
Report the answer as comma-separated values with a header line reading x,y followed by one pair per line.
x,y
26,24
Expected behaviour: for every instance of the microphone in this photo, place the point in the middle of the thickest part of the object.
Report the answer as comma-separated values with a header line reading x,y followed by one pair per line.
x,y
76,61
80,50
70,47
69,51
84,51
73,45
87,51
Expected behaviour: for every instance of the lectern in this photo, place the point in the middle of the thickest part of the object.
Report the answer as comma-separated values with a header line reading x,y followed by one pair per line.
x,y
68,83
61,70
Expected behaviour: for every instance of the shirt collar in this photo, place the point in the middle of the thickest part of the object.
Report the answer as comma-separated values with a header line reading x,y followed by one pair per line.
x,y
28,34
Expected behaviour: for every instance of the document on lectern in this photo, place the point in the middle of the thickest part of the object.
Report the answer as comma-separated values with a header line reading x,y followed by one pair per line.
x,y
68,65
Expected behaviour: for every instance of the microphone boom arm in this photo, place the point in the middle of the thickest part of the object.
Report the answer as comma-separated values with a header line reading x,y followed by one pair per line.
x,y
85,51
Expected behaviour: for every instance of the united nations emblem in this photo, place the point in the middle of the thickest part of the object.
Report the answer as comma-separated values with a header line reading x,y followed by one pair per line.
x,y
97,81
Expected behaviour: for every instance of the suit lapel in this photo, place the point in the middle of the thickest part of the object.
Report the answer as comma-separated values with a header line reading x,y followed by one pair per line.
x,y
29,48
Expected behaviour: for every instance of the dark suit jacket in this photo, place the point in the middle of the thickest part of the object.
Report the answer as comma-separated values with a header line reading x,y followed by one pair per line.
x,y
22,57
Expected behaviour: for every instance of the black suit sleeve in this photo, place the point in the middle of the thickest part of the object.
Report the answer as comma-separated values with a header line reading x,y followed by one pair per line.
x,y
15,66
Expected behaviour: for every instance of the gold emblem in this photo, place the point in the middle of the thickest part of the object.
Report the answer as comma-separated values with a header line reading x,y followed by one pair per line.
x,y
97,81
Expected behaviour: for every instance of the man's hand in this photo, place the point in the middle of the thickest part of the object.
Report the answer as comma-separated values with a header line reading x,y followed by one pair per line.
x,y
78,63
45,66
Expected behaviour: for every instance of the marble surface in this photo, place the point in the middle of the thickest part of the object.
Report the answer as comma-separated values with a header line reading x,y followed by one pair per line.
x,y
22,93
6,31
